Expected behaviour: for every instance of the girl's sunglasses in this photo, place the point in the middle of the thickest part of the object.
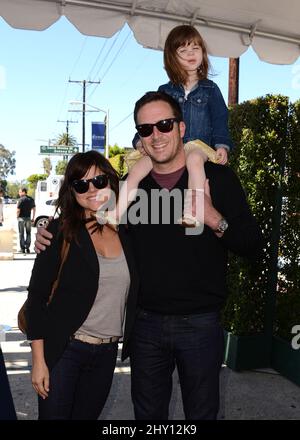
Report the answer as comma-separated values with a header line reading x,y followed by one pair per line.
x,y
82,186
164,126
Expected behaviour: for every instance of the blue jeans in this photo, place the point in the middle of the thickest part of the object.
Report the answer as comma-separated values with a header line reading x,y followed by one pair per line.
x,y
24,224
80,382
194,343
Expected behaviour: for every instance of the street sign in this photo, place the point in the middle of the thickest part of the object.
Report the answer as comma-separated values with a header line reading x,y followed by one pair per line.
x,y
58,149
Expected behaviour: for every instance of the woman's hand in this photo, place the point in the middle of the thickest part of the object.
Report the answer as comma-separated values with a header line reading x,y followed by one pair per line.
x,y
40,378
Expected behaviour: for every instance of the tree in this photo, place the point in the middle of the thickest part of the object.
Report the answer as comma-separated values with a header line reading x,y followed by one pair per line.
x,y
61,167
3,186
34,178
66,139
47,165
115,150
7,162
12,189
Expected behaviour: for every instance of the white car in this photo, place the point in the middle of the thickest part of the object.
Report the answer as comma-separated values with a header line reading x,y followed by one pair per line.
x,y
43,211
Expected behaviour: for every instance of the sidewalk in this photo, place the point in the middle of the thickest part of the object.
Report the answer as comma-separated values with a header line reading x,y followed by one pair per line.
x,y
247,395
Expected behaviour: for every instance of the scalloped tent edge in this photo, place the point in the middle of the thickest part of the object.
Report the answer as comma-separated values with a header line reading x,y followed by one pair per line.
x,y
271,28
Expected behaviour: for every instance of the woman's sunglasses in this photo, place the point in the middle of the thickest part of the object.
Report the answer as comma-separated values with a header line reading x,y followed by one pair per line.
x,y
82,186
164,126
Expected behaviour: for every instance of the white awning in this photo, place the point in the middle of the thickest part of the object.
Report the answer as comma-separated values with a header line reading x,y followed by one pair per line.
x,y
271,27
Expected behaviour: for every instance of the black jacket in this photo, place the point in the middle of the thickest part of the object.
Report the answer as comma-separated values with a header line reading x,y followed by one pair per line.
x,y
75,294
182,274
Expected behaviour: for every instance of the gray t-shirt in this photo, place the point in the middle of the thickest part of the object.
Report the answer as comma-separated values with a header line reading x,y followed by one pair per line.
x,y
107,313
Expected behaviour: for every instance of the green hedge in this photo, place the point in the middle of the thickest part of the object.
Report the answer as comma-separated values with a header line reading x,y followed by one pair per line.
x,y
266,134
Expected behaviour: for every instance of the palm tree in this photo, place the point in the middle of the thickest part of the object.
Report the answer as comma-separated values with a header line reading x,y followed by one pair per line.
x,y
66,139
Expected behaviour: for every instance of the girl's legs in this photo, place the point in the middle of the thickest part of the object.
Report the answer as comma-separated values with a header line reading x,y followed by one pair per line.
x,y
193,203
129,189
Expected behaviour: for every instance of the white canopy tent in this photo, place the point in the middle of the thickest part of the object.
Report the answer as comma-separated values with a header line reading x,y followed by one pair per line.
x,y
271,27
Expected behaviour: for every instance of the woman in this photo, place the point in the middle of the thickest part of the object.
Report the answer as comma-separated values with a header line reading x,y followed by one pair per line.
x,y
74,338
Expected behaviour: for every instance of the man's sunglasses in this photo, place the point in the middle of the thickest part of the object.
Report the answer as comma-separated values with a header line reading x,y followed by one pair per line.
x,y
164,126
81,186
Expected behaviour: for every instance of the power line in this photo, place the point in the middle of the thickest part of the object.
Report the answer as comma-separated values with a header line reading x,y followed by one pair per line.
x,y
98,56
79,56
115,57
84,83
121,122
108,52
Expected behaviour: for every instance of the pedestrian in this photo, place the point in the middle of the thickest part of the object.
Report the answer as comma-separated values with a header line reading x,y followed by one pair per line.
x,y
25,215
1,208
182,277
74,339
205,115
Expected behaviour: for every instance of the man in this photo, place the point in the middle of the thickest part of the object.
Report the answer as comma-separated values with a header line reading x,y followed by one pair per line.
x,y
24,207
182,277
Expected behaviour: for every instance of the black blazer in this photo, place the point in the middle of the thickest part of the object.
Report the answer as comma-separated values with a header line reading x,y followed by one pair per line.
x,y
75,294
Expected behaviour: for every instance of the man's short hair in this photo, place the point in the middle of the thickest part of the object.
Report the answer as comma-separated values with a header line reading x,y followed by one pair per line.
x,y
158,96
24,190
135,140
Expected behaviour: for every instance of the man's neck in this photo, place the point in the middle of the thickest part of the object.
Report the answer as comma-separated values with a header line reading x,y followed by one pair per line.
x,y
170,167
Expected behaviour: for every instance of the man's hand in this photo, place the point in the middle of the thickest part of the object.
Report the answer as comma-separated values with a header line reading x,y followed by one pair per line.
x,y
211,215
42,240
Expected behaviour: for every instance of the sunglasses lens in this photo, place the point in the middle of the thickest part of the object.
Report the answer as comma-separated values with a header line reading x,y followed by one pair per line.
x,y
145,130
80,186
165,126
100,181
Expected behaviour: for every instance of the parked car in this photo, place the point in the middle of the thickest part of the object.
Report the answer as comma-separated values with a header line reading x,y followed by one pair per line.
x,y
8,201
44,210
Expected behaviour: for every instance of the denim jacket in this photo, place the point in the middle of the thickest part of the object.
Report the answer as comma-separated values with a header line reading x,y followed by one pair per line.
x,y
204,112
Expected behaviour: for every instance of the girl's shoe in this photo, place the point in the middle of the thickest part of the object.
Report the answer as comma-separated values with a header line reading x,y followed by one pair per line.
x,y
105,219
189,221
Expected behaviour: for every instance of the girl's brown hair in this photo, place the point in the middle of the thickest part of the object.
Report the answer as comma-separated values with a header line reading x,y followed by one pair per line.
x,y
180,36
72,215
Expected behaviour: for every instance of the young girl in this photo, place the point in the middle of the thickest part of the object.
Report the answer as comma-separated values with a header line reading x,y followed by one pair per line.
x,y
205,115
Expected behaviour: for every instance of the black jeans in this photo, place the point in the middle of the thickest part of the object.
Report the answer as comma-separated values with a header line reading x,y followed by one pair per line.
x,y
24,224
192,342
80,382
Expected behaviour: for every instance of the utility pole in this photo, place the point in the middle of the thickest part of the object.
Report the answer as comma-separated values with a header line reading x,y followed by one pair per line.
x,y
67,131
84,83
233,83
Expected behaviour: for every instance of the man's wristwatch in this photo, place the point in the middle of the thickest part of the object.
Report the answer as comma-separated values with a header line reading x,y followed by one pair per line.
x,y
222,226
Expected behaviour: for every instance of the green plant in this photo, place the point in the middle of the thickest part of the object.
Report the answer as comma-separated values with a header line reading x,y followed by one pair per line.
x,y
265,132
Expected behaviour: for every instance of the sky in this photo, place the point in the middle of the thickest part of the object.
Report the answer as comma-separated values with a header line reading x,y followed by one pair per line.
x,y
35,92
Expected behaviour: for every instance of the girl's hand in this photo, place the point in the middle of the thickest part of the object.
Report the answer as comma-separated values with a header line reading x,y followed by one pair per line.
x,y
40,378
222,155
